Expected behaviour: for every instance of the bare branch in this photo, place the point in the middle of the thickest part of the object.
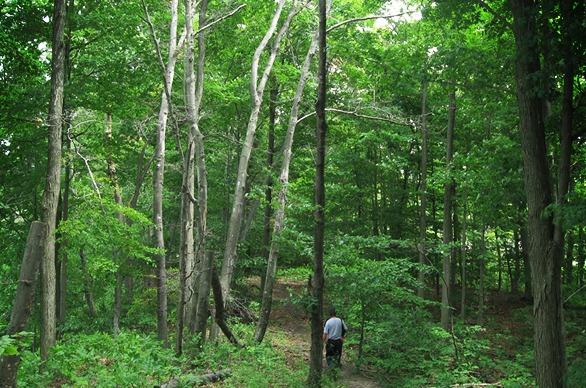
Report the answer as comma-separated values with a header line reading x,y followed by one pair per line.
x,y
404,122
354,20
221,18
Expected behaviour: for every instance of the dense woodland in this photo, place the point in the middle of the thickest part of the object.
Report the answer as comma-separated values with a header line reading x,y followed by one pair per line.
x,y
186,186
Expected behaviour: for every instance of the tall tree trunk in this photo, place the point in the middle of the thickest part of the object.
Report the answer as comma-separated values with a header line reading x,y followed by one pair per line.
x,y
162,329
454,250
526,263
568,270
317,289
580,269
62,272
53,180
464,252
23,299
279,223
482,293
545,254
268,211
256,90
195,94
449,189
87,284
565,133
499,261
423,190
111,167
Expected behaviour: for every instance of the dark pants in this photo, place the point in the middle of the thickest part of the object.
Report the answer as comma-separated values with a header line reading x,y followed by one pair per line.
x,y
334,353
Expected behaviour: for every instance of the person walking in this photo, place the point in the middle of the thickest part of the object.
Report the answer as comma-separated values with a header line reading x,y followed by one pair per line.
x,y
334,332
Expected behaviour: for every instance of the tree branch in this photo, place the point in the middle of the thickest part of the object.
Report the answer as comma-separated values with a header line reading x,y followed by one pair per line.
x,y
220,19
359,115
359,19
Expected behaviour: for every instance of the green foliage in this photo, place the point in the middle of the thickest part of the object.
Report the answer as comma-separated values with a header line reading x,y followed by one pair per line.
x,y
10,344
84,360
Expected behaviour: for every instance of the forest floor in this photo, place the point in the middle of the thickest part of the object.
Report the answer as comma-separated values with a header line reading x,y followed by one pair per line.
x,y
292,319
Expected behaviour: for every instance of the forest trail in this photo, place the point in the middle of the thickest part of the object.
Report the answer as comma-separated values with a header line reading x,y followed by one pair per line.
x,y
293,320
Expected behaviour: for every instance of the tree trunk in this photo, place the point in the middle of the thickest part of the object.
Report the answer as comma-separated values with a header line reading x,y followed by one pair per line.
x,y
195,94
53,180
545,254
87,285
268,211
580,269
564,178
111,166
62,280
517,263
568,270
482,293
23,299
526,263
464,242
317,289
449,189
162,329
279,223
423,190
257,90
500,262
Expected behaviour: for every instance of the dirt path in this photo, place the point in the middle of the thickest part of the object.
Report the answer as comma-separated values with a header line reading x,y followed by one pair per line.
x,y
293,320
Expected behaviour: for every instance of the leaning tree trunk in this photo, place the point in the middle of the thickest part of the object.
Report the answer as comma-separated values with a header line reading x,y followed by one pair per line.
x,y
87,284
317,289
23,300
256,90
423,190
193,106
449,189
162,329
279,223
545,254
53,181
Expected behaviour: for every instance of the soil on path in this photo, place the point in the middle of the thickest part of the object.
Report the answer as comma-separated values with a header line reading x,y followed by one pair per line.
x,y
293,320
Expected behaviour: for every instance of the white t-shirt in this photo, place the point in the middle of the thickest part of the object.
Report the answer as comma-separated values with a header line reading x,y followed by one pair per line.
x,y
333,328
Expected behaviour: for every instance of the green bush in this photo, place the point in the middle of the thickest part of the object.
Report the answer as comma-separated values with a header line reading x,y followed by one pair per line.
x,y
85,360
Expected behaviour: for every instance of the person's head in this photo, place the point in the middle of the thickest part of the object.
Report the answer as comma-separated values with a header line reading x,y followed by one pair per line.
x,y
332,311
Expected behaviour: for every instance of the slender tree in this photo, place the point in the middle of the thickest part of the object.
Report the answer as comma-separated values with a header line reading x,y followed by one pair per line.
x,y
448,237
162,329
423,189
53,180
317,286
257,88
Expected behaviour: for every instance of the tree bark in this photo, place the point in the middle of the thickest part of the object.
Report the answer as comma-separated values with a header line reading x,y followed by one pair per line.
x,y
87,285
526,263
158,178
580,269
53,180
279,222
111,167
219,304
464,251
568,270
205,258
256,90
317,289
482,293
23,299
449,189
565,133
545,254
62,279
423,190
268,211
